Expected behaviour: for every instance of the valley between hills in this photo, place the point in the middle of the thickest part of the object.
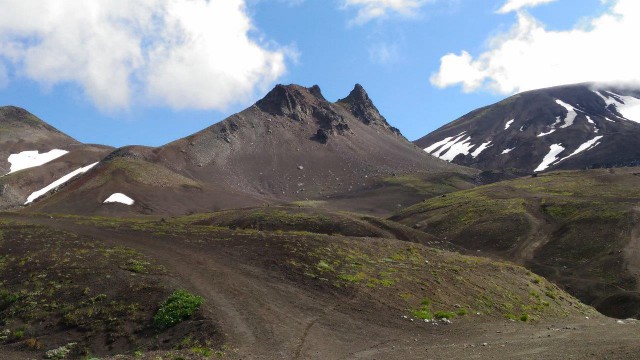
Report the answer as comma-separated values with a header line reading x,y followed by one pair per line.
x,y
301,228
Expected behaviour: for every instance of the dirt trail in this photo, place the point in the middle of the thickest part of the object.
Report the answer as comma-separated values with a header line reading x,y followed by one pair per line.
x,y
262,314
632,250
538,236
266,316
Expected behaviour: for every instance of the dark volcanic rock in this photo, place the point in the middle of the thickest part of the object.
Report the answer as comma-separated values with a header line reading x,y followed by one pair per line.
x,y
361,107
565,127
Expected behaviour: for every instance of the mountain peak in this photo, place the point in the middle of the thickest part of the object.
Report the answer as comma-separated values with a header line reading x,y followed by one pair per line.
x,y
357,95
360,105
294,101
562,127
18,119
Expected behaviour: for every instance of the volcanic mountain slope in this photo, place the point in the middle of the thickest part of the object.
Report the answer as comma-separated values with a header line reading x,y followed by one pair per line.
x,y
33,155
579,229
566,127
293,145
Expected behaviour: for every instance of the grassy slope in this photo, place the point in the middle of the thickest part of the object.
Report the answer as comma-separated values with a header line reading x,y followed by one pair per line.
x,y
574,227
352,253
58,287
70,287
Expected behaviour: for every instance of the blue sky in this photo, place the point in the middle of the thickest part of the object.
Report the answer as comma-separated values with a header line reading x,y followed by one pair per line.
x,y
141,85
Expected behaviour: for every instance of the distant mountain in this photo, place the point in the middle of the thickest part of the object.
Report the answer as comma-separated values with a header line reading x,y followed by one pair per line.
x,y
292,145
565,127
33,155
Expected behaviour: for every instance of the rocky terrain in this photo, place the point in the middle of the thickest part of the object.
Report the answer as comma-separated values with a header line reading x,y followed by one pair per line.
x,y
566,127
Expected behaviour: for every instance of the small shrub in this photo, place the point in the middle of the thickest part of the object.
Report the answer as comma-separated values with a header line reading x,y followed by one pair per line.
x,y
59,353
178,307
201,350
136,266
323,266
551,294
33,344
444,315
424,313
524,317
462,312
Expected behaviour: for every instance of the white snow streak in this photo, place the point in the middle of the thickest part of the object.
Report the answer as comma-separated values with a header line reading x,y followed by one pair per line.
x,y
119,198
29,159
508,124
607,100
595,127
571,113
480,149
448,145
456,149
630,109
58,182
627,106
584,147
438,144
550,158
506,151
546,133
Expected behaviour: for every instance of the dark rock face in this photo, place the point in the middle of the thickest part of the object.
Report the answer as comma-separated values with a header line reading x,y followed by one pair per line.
x,y
360,106
321,136
566,127
288,101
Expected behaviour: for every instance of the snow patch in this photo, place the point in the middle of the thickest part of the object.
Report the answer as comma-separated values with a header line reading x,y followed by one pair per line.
x,y
506,151
627,106
550,158
448,145
585,147
58,182
571,114
508,124
29,159
609,100
546,133
590,121
480,149
458,148
630,108
552,126
119,198
440,143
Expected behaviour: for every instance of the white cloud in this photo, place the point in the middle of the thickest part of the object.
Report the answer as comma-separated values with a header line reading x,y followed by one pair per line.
x,y
530,56
384,53
373,9
195,54
515,5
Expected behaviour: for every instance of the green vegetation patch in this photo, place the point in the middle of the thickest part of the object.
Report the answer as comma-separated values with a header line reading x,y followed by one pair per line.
x,y
177,308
